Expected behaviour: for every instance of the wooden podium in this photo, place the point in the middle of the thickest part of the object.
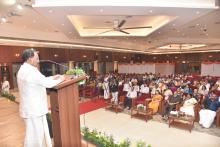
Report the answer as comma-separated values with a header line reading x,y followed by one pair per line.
x,y
65,113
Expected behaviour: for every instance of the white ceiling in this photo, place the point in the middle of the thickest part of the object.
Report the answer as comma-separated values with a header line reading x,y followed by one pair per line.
x,y
62,24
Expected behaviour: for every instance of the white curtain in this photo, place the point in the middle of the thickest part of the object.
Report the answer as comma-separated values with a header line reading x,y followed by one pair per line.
x,y
165,68
136,68
216,69
151,68
121,68
207,69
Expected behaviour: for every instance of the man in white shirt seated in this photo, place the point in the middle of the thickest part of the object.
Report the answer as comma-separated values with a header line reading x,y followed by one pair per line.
x,y
136,87
132,94
144,89
127,86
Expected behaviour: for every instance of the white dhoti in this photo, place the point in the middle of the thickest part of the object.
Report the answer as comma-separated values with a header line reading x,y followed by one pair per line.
x,y
106,90
189,110
115,97
37,132
206,117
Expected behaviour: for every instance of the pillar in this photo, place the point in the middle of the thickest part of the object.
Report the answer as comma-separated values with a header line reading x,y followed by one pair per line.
x,y
53,69
71,64
96,66
115,65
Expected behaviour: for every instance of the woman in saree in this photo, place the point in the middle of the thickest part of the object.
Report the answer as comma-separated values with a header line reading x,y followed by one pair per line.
x,y
155,102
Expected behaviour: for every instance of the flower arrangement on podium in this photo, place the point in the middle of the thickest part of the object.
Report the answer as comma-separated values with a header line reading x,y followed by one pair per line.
x,y
77,72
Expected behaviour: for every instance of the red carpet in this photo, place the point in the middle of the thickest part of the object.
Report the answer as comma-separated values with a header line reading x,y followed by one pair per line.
x,y
91,105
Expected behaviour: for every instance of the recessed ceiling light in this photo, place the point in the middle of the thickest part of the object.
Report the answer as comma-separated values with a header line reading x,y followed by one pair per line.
x,y
151,11
101,10
174,24
62,24
10,2
50,11
197,24
3,19
19,7
197,12
158,32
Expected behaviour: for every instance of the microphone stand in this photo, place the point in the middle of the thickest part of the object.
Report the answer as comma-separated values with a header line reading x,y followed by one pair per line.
x,y
66,67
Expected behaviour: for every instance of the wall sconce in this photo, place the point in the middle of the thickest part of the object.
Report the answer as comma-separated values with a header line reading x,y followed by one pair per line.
x,y
55,55
17,55
84,56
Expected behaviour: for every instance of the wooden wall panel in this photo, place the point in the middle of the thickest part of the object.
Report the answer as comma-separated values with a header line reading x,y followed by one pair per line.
x,y
8,56
44,53
81,55
58,55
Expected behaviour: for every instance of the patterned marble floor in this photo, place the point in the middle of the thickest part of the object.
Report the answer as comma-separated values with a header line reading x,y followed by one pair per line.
x,y
154,132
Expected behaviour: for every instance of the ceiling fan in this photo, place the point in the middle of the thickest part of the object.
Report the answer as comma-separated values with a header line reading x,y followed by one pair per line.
x,y
117,27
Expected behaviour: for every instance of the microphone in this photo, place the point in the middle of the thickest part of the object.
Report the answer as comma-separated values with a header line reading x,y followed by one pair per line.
x,y
66,67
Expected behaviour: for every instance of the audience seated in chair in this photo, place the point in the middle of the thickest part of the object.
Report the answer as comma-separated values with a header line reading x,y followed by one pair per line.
x,y
144,94
171,103
132,94
155,101
188,105
210,106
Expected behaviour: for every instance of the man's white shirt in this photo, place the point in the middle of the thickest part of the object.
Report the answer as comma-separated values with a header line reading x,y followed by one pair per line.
x,y
32,88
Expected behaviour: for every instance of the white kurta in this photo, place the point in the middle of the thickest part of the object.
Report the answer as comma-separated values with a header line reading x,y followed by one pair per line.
x,y
33,103
144,89
115,97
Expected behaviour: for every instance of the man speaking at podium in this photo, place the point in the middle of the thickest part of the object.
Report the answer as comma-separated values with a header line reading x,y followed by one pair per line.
x,y
33,99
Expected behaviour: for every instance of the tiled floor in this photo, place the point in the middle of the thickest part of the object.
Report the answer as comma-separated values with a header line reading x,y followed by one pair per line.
x,y
120,125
